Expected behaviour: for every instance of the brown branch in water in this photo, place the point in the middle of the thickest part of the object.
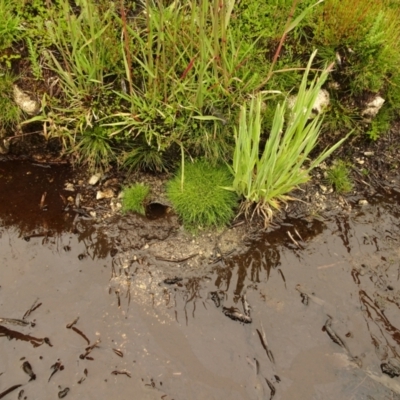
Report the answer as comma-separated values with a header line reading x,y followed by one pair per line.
x,y
79,332
177,261
9,390
32,309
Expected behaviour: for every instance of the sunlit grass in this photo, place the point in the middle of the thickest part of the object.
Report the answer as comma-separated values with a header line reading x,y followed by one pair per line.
x,y
200,199
265,180
134,198
338,176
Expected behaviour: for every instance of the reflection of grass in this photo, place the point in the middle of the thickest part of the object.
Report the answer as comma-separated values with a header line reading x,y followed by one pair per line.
x,y
338,176
134,198
201,200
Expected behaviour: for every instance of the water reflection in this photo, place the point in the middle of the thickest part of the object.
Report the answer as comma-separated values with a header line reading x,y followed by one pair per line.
x,y
30,197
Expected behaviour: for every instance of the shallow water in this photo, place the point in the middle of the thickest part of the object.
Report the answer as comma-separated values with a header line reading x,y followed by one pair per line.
x,y
335,279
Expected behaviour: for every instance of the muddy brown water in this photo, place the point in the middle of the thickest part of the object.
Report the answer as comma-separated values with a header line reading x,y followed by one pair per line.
x,y
311,316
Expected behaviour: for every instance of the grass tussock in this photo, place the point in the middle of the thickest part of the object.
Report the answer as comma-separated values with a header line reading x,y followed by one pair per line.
x,y
134,198
200,198
338,176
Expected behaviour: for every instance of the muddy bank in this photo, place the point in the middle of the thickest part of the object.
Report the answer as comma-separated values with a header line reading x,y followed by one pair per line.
x,y
308,308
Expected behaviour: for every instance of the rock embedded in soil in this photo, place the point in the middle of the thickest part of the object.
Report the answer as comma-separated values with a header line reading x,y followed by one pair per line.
x,y
372,108
106,194
94,179
25,102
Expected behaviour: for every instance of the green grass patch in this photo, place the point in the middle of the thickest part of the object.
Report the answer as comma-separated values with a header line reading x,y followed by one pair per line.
x,y
265,178
200,199
338,176
134,198
10,113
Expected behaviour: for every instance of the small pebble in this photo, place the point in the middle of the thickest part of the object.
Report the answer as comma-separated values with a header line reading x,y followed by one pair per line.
x,y
69,187
107,194
94,179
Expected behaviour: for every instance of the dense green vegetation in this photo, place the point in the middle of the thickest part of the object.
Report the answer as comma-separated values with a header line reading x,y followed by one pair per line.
x,y
134,198
198,195
141,83
338,176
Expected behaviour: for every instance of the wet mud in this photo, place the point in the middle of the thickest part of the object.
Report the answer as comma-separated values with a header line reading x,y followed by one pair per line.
x,y
90,309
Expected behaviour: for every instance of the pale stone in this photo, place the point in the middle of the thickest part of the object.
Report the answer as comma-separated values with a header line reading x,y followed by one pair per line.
x,y
362,202
106,194
4,146
373,107
94,179
360,161
25,102
69,187
323,188
321,103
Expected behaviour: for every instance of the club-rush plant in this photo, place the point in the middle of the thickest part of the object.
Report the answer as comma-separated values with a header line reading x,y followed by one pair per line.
x,y
265,178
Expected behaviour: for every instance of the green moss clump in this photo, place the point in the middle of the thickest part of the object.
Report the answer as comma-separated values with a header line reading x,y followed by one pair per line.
x,y
339,177
202,200
134,198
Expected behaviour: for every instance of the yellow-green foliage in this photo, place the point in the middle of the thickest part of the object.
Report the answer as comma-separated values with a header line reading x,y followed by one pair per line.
x,y
345,22
199,197
10,113
338,176
134,198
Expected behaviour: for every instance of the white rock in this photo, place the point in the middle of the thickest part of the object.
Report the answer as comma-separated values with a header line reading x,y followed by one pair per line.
x,y
360,161
69,187
362,202
368,153
321,102
373,107
93,214
24,101
323,188
94,179
4,146
106,194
